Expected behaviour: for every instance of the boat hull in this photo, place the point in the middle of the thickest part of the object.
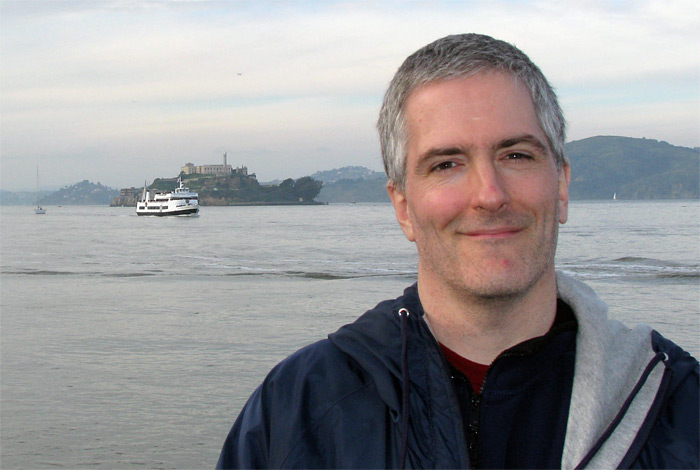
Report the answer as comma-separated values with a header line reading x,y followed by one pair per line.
x,y
190,211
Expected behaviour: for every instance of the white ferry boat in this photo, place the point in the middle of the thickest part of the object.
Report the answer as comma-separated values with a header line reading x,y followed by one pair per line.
x,y
181,201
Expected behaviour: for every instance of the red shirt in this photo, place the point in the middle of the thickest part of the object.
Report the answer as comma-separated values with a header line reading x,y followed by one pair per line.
x,y
475,372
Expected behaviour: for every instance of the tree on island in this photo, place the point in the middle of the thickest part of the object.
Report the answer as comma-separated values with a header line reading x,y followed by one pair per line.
x,y
306,188
286,189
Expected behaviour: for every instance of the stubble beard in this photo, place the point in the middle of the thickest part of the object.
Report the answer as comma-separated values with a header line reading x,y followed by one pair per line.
x,y
487,284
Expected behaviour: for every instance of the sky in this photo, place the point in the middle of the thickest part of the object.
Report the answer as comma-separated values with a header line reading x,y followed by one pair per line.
x,y
122,91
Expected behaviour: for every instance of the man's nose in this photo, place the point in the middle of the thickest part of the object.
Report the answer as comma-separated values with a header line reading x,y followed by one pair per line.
x,y
489,191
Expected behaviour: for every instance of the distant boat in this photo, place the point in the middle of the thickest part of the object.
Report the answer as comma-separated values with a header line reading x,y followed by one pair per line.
x,y
181,201
38,209
614,196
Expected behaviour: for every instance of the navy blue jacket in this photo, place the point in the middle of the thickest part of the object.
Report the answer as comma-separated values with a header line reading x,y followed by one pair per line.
x,y
379,394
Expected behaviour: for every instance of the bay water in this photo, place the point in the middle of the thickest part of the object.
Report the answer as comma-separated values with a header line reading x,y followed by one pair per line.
x,y
133,342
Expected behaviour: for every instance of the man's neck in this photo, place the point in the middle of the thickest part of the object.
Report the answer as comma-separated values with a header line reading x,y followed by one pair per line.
x,y
480,329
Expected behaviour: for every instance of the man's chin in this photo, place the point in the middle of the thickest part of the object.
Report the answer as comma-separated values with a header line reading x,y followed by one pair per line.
x,y
494,293
506,285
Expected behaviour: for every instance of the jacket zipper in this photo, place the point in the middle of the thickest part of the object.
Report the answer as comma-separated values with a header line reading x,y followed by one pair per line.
x,y
473,429
475,413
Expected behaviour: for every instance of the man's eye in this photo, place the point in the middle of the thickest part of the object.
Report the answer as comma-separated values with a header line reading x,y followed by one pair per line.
x,y
518,156
444,166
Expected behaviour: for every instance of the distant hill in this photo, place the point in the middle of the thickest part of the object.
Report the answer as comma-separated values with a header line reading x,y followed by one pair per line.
x,y
352,184
633,168
347,173
20,198
83,193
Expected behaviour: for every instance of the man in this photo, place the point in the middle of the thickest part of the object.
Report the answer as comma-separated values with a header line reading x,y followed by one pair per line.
x,y
492,360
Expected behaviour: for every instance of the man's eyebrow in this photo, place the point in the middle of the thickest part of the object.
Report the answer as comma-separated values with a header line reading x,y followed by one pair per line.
x,y
442,151
523,139
435,152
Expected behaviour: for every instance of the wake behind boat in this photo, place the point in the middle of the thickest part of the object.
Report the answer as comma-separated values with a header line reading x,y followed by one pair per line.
x,y
181,201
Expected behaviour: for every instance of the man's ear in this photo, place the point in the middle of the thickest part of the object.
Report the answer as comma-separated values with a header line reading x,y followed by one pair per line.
x,y
398,199
564,180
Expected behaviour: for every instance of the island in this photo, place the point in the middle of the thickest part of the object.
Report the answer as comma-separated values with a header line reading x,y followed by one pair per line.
x,y
223,185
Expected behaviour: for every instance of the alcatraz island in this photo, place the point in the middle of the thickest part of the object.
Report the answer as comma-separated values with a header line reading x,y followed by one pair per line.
x,y
223,185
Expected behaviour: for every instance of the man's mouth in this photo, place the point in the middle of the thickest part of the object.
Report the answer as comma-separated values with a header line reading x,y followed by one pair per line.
x,y
495,233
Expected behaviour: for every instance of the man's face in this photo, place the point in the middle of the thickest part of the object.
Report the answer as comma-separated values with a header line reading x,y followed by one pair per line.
x,y
483,195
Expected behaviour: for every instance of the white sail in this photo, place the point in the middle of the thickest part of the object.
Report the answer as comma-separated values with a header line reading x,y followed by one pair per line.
x,y
38,209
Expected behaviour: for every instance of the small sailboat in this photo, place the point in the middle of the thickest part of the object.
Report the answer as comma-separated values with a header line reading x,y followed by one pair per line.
x,y
38,209
614,196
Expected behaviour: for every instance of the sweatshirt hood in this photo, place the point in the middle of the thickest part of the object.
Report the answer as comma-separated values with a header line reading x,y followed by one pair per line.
x,y
613,388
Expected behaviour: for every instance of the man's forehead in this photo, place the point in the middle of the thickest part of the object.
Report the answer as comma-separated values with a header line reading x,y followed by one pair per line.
x,y
481,97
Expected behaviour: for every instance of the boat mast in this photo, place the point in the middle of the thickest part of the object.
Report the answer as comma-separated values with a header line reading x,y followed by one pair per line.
x,y
36,195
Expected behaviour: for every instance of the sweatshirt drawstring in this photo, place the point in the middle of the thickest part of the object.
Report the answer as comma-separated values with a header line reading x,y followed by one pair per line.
x,y
623,410
405,384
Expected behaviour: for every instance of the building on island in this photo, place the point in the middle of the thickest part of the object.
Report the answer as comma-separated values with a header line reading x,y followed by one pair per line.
x,y
130,192
225,169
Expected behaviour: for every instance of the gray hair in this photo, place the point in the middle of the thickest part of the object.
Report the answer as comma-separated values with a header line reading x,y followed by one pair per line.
x,y
461,56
